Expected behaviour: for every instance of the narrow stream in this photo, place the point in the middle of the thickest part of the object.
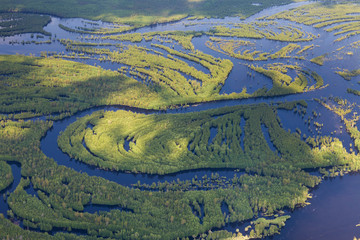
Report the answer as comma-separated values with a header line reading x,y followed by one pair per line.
x,y
16,171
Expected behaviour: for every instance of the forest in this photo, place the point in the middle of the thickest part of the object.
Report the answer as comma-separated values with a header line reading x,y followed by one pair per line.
x,y
43,86
321,16
140,12
58,88
17,23
169,143
173,120
62,194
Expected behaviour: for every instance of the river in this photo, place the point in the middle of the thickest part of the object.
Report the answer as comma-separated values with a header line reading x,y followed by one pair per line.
x,y
334,210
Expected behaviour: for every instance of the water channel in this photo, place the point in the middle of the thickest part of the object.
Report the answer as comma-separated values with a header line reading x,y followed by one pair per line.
x,y
333,213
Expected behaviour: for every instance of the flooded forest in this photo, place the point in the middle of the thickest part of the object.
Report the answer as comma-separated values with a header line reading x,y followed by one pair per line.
x,y
188,119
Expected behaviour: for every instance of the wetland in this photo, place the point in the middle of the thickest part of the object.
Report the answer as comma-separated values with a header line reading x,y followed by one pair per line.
x,y
198,128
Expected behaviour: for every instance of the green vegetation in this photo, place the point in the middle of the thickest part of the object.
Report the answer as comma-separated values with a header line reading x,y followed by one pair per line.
x,y
67,42
271,184
268,30
172,74
214,181
182,38
139,12
283,84
355,45
41,86
308,47
267,227
273,162
318,79
173,142
18,23
6,177
274,180
63,192
47,86
113,30
131,37
319,60
343,108
239,49
8,230
283,53
347,75
322,15
353,91
169,74
231,48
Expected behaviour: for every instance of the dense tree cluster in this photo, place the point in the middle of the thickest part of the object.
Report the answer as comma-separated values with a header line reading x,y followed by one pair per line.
x,y
34,86
62,193
140,12
18,23
6,177
344,17
258,30
173,142
271,162
284,84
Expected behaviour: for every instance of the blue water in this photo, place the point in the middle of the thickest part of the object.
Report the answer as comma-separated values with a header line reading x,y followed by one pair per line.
x,y
266,133
333,213
16,171
334,209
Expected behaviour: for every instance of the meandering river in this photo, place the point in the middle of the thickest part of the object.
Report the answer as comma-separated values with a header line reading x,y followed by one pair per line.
x,y
334,210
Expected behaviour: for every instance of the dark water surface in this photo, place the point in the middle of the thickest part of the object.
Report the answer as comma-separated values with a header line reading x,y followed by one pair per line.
x,y
16,171
333,213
